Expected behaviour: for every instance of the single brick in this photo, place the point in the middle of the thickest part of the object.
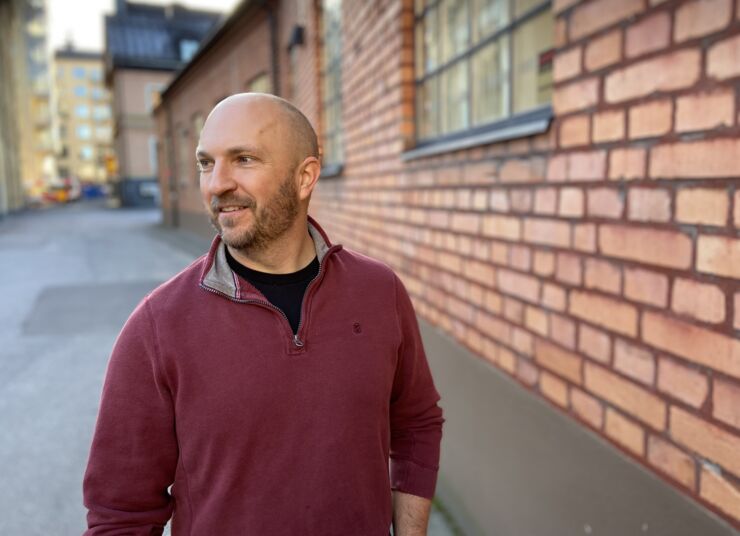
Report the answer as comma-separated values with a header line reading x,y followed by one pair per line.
x,y
587,408
567,64
466,222
646,287
723,58
553,296
651,33
726,402
702,301
672,461
571,202
562,362
604,50
522,170
702,205
635,362
506,359
627,163
720,492
605,312
520,285
627,433
575,130
563,331
604,202
640,403
707,439
520,257
545,200
668,72
521,200
568,268
584,237
576,95
653,246
593,16
603,275
704,159
554,389
547,232
499,201
586,165
505,227
719,255
705,110
701,17
536,320
649,204
594,343
544,262
608,126
651,119
697,344
526,372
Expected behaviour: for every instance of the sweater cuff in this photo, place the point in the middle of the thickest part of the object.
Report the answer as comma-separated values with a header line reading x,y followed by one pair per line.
x,y
409,477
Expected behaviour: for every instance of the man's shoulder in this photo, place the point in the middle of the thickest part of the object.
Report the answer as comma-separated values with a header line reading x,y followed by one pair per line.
x,y
367,265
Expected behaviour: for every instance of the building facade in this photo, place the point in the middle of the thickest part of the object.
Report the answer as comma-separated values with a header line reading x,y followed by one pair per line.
x,y
84,117
556,183
144,45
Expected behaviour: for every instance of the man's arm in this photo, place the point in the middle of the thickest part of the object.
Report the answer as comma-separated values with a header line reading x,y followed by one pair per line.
x,y
416,426
134,451
410,514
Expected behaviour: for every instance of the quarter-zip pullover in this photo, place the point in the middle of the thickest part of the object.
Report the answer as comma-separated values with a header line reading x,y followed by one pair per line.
x,y
259,430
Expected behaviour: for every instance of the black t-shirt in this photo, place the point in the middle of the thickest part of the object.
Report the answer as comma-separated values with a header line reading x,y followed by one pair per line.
x,y
284,291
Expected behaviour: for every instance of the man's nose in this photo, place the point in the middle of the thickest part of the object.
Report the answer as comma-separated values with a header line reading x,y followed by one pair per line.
x,y
220,180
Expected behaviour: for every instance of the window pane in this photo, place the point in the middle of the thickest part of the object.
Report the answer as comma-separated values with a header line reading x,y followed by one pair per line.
x,y
491,82
427,108
80,91
82,111
453,28
488,17
454,97
419,50
431,48
532,62
331,83
524,6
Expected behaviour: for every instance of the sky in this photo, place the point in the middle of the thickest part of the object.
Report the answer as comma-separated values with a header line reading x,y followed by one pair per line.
x,y
82,20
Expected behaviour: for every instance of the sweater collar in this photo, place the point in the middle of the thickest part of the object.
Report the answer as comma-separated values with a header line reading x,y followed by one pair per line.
x,y
217,274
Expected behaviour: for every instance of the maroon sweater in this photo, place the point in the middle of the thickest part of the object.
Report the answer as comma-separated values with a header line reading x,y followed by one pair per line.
x,y
257,430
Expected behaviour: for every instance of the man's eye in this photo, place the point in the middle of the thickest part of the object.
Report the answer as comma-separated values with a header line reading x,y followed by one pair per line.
x,y
204,164
244,159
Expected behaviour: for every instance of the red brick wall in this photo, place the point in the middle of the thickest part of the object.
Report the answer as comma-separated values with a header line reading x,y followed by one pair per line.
x,y
598,264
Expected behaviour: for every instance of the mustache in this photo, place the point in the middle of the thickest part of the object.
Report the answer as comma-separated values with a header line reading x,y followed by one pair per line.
x,y
218,202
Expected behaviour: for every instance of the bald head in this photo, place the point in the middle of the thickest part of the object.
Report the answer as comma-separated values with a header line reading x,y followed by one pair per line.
x,y
293,127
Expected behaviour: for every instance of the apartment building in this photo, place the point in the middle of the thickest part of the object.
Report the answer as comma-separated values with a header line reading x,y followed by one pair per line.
x,y
84,117
556,184
144,46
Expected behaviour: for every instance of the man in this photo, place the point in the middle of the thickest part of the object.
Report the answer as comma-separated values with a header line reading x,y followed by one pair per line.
x,y
271,380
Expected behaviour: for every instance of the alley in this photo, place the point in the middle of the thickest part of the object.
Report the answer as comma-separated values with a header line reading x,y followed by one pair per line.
x,y
69,278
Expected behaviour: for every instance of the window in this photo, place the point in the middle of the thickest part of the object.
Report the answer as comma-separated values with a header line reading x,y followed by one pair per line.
x,y
101,113
86,152
153,162
78,72
103,133
97,93
479,62
152,96
333,146
82,111
84,132
80,91
188,48
96,74
260,84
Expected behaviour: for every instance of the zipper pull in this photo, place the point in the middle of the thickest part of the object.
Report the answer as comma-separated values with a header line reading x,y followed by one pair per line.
x,y
298,342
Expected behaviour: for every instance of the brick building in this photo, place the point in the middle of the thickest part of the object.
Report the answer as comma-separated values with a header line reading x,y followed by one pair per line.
x,y
556,183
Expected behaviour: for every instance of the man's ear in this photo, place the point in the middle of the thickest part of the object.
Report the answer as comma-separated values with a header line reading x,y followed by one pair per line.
x,y
308,172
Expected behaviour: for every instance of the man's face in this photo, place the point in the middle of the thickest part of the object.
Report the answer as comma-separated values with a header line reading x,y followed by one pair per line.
x,y
247,177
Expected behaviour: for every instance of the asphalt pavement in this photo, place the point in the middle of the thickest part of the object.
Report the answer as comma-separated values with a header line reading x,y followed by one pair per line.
x,y
69,277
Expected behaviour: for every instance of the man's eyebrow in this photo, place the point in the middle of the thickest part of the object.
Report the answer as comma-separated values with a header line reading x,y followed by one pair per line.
x,y
231,151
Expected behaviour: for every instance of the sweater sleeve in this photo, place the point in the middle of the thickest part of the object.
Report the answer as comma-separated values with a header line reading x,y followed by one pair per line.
x,y
415,418
134,451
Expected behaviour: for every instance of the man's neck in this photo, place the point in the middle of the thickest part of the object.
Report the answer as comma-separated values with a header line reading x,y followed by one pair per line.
x,y
289,253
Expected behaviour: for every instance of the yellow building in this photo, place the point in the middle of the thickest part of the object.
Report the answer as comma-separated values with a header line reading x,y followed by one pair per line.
x,y
84,119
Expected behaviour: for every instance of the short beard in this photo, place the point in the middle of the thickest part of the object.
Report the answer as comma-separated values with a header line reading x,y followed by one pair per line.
x,y
271,219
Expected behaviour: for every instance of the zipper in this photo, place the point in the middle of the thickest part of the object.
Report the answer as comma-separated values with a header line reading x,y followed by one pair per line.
x,y
296,339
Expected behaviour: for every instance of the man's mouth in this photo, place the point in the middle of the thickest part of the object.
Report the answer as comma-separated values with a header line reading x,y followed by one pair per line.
x,y
231,208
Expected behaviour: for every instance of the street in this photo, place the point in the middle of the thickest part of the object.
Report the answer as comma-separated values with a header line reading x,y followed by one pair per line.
x,y
69,278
